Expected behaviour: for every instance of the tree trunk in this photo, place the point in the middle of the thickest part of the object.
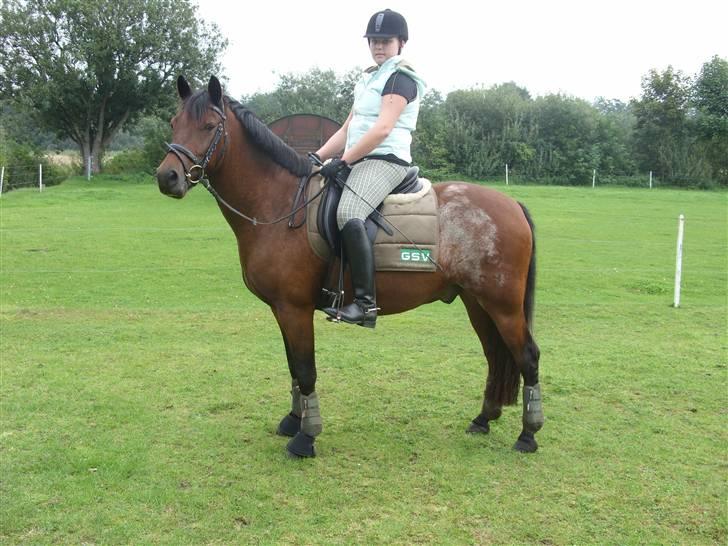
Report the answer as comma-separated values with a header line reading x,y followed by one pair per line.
x,y
95,148
87,151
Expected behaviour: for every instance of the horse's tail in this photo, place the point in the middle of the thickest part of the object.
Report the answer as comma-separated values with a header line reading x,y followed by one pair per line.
x,y
529,298
504,377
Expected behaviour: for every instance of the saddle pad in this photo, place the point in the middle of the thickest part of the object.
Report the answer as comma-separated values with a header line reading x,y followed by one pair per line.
x,y
413,218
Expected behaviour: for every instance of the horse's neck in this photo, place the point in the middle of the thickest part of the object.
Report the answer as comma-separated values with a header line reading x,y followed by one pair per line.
x,y
253,184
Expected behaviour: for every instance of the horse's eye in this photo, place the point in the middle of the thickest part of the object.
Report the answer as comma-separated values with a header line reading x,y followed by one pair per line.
x,y
209,127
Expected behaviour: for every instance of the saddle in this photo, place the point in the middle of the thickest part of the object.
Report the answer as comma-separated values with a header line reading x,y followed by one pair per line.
x,y
326,218
406,234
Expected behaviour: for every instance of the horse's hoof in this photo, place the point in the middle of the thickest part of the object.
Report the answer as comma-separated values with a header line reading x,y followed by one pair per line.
x,y
289,425
301,446
526,443
478,428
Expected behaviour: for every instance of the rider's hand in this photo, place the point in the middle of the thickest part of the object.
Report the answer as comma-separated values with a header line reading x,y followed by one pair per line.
x,y
334,167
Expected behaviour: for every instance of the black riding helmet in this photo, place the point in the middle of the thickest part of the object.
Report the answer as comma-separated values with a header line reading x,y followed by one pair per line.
x,y
387,24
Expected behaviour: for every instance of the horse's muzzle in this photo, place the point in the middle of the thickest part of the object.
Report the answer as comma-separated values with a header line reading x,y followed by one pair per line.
x,y
172,183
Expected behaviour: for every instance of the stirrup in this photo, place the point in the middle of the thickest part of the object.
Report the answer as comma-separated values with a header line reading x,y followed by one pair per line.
x,y
368,317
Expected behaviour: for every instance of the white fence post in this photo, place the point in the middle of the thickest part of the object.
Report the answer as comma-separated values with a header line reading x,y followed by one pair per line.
x,y
2,178
506,174
650,179
40,176
594,178
678,262
88,168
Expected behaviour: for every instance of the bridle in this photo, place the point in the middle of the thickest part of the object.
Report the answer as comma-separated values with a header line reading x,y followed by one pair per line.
x,y
196,172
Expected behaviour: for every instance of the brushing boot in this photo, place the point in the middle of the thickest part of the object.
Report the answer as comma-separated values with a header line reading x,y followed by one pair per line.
x,y
363,310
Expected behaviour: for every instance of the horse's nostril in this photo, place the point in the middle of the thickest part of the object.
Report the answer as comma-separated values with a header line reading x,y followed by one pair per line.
x,y
168,176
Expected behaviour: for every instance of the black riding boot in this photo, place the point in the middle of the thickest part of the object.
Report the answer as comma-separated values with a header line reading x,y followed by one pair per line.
x,y
359,251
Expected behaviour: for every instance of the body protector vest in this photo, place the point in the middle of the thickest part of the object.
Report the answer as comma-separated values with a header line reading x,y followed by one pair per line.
x,y
368,104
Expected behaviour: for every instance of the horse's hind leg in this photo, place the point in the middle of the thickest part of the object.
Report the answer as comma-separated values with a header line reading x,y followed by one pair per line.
x,y
511,352
485,328
533,417
515,333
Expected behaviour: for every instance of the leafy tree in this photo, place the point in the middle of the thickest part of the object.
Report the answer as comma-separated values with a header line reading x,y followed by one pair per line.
x,y
320,92
711,103
429,141
88,68
566,138
661,129
615,125
488,128
23,128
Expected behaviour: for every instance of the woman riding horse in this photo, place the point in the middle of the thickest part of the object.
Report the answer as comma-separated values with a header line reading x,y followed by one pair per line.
x,y
376,139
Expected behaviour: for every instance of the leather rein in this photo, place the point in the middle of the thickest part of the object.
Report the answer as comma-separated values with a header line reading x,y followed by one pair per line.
x,y
196,174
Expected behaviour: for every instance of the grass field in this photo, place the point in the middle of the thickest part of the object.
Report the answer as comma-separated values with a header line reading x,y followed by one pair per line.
x,y
141,385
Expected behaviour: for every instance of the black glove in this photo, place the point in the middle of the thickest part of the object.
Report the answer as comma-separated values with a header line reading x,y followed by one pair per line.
x,y
336,169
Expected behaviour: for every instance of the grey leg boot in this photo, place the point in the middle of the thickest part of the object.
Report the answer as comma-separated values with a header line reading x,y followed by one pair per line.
x,y
363,311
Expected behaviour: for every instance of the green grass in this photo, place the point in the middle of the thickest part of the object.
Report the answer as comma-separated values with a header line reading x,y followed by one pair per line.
x,y
141,385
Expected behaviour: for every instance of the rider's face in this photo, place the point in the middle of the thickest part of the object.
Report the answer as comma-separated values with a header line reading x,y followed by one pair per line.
x,y
384,48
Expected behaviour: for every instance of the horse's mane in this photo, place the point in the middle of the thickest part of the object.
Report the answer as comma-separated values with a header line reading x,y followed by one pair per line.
x,y
262,137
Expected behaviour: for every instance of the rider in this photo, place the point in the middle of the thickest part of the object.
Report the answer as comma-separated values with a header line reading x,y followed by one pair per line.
x,y
376,141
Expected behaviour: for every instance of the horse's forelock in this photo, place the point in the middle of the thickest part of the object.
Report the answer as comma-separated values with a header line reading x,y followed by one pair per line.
x,y
197,104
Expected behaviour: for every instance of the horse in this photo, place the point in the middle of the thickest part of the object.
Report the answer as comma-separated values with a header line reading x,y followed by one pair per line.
x,y
487,258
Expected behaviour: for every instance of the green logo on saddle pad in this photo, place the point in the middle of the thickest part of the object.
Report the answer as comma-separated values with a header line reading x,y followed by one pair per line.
x,y
414,255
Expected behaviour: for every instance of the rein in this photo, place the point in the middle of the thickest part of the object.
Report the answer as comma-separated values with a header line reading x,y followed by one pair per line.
x,y
303,182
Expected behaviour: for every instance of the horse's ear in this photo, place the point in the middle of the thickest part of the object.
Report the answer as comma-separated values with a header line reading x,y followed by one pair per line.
x,y
183,88
214,89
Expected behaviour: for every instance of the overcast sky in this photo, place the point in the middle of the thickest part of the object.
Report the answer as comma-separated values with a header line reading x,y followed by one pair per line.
x,y
582,48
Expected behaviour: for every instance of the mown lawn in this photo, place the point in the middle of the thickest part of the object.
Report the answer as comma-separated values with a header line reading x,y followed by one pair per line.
x,y
141,384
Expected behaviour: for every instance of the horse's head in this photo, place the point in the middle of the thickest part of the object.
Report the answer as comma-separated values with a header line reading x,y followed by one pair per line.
x,y
197,132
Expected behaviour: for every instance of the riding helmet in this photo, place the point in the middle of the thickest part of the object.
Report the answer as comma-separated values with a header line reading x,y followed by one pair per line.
x,y
387,24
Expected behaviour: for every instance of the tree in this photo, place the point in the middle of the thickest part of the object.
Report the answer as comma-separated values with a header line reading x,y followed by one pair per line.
x,y
615,127
86,69
566,141
429,141
488,128
710,98
661,129
320,92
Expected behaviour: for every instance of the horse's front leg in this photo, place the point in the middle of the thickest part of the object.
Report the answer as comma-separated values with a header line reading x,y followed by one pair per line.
x,y
304,422
290,425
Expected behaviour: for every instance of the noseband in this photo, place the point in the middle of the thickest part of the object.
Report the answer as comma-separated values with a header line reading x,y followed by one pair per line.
x,y
197,170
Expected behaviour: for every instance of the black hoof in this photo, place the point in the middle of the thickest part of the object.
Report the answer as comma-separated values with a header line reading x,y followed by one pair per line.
x,y
478,427
526,443
301,446
289,425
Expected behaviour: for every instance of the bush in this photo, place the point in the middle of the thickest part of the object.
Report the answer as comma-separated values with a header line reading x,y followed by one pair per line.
x,y
154,132
21,163
128,161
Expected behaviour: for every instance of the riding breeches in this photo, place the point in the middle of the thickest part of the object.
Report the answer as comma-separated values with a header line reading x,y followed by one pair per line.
x,y
369,182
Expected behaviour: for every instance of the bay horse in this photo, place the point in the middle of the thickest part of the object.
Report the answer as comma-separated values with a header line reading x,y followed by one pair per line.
x,y
487,257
